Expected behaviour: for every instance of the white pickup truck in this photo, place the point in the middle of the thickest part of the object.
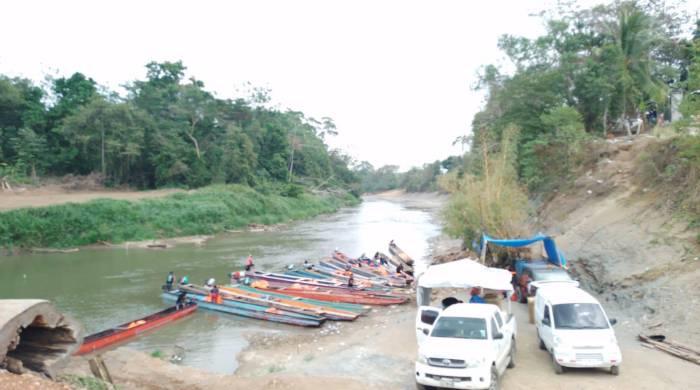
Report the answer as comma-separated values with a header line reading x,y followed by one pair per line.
x,y
465,346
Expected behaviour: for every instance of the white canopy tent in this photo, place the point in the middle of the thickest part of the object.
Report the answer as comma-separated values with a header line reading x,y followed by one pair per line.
x,y
465,273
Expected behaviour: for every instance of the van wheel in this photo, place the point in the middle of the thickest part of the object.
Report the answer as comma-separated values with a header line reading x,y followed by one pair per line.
x,y
494,379
511,362
615,370
558,369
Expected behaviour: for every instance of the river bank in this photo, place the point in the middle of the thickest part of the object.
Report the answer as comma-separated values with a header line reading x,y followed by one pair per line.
x,y
376,351
373,352
202,212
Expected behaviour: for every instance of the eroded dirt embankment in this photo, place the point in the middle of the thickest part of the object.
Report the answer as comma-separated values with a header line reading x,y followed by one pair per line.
x,y
626,247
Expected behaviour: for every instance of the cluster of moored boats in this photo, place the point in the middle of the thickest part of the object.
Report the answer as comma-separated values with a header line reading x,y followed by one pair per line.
x,y
337,288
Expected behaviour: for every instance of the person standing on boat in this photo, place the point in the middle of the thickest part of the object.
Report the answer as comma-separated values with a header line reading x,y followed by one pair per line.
x,y
351,280
180,303
214,295
184,280
249,263
169,280
210,282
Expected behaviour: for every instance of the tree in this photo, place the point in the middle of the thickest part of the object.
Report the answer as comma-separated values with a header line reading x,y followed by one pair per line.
x,y
112,131
635,38
30,149
240,160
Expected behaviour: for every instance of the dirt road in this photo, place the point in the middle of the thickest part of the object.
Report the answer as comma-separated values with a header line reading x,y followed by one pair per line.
x,y
51,195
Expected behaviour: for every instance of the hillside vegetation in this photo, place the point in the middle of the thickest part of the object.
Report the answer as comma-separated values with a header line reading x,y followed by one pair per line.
x,y
596,73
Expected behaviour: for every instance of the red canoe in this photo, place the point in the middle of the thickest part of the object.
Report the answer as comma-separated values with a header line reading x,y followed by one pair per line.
x,y
131,329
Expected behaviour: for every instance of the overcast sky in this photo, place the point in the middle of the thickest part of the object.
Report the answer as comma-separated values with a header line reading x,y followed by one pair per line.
x,y
395,75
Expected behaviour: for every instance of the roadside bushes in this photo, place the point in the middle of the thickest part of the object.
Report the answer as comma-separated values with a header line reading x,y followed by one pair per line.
x,y
205,211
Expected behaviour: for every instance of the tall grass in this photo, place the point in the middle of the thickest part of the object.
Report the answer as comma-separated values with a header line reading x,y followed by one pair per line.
x,y
491,201
205,211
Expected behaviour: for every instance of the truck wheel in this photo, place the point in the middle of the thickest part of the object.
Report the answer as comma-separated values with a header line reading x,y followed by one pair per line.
x,y
511,362
558,369
494,379
615,370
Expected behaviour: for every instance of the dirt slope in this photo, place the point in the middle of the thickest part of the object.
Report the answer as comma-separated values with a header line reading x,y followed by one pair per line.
x,y
625,247
57,194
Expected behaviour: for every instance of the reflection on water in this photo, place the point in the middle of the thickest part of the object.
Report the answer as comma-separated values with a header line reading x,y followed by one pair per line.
x,y
105,287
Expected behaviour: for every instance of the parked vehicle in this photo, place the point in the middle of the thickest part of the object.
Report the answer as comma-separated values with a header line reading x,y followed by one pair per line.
x,y
528,271
574,328
465,346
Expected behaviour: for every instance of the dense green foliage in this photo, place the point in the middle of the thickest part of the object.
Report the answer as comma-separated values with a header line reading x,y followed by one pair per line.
x,y
590,72
205,211
167,131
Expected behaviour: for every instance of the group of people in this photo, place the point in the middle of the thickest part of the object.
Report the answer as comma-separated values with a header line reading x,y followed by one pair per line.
x,y
214,292
170,280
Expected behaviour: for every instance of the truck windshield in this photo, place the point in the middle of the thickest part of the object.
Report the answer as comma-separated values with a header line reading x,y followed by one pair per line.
x,y
579,316
460,328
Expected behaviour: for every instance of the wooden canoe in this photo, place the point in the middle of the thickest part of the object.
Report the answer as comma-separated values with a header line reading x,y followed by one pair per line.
x,y
334,296
131,329
398,252
326,311
267,314
296,309
351,307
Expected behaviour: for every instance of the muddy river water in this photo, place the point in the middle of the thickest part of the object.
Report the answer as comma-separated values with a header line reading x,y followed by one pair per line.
x,y
106,287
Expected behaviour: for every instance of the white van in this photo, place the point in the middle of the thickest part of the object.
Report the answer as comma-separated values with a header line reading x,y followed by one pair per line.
x,y
573,327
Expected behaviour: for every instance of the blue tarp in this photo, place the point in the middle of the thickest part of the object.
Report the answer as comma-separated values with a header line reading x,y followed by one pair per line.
x,y
554,256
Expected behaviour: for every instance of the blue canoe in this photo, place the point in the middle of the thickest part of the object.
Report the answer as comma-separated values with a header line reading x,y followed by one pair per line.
x,y
249,310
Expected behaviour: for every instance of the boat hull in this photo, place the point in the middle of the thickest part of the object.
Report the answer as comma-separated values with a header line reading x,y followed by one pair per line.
x,y
121,333
267,315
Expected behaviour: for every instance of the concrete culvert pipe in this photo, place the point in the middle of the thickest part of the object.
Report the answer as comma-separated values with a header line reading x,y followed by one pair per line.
x,y
35,336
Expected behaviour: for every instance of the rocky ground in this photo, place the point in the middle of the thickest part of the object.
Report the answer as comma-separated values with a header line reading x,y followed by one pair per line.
x,y
625,247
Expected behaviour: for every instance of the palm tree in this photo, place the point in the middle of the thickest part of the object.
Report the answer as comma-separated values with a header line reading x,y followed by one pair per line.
x,y
635,36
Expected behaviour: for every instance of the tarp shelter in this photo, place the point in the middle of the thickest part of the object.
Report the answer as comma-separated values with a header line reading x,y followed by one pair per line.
x,y
554,256
465,273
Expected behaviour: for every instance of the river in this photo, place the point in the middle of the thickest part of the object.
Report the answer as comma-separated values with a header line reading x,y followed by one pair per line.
x,y
103,287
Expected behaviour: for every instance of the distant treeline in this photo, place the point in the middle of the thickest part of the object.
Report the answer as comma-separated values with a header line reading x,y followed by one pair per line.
x,y
388,177
166,131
